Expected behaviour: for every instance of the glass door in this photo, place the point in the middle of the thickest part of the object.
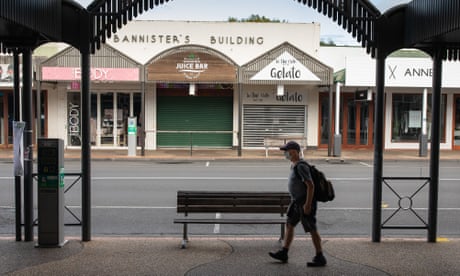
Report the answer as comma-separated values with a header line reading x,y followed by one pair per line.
x,y
357,122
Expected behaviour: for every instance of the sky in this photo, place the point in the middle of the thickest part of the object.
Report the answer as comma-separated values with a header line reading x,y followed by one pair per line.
x,y
284,10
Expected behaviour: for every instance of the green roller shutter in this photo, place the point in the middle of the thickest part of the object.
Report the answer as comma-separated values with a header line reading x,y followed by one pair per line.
x,y
193,113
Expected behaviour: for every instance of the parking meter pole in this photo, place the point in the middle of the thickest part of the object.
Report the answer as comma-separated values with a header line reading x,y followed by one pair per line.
x,y
132,136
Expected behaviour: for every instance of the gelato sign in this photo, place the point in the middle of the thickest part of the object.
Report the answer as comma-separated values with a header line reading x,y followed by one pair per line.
x,y
191,67
285,68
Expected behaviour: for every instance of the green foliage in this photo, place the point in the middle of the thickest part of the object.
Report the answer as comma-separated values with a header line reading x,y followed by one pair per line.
x,y
255,18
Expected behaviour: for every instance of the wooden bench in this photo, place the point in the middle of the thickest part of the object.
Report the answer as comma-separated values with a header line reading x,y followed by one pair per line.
x,y
278,141
189,202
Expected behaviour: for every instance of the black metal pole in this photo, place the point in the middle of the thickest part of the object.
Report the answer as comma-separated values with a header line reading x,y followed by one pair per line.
x,y
330,132
435,140
17,117
378,149
86,145
28,150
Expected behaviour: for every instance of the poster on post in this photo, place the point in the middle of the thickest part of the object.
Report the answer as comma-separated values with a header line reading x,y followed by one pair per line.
x,y
18,148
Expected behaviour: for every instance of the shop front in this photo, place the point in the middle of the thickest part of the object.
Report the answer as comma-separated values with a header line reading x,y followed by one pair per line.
x,y
279,96
407,100
195,102
7,105
116,94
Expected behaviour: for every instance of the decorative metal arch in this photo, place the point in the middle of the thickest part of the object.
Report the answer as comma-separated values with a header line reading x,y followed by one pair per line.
x,y
357,17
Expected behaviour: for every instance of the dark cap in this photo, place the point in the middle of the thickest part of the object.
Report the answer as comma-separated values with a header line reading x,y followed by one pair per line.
x,y
290,145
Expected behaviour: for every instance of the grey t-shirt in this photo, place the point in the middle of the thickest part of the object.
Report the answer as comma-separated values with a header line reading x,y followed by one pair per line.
x,y
297,188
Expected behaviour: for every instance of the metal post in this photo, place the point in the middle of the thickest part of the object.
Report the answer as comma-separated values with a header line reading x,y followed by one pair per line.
x,y
240,119
435,140
86,145
142,118
378,149
28,149
329,122
17,117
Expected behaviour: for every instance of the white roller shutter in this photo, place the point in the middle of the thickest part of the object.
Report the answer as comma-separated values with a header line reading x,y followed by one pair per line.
x,y
261,121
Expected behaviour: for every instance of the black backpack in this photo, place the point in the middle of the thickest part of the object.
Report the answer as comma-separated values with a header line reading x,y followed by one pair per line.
x,y
324,191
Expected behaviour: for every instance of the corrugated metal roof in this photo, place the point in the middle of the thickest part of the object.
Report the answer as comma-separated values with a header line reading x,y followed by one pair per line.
x,y
106,57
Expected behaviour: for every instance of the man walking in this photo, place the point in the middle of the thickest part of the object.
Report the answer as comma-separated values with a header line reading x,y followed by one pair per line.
x,y
302,208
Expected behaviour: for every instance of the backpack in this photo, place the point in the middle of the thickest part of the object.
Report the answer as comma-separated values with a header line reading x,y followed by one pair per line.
x,y
324,191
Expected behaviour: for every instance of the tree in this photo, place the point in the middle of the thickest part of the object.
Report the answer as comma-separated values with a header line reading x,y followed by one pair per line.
x,y
255,18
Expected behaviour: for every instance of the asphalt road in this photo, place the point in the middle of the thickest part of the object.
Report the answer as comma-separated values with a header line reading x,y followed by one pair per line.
x,y
139,197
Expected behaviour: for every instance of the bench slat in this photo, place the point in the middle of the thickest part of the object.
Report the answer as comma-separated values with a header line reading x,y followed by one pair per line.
x,y
230,221
233,201
232,209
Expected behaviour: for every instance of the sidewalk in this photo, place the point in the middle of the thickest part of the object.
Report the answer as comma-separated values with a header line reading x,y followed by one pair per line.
x,y
235,255
228,256
229,154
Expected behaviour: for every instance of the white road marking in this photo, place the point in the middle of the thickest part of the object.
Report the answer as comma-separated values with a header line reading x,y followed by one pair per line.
x,y
207,164
217,226
366,165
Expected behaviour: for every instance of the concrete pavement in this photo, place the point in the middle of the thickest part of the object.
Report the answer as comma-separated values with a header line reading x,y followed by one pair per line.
x,y
235,255
228,256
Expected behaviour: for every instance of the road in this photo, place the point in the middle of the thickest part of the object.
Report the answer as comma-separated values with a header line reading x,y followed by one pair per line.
x,y
139,197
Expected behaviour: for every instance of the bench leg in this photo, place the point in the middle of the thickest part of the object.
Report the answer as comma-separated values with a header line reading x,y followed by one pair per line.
x,y
184,237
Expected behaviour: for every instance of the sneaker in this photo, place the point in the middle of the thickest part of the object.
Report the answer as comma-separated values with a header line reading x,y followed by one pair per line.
x,y
318,261
280,255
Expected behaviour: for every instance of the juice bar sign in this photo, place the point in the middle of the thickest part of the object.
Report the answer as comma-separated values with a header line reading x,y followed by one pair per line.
x,y
285,68
191,67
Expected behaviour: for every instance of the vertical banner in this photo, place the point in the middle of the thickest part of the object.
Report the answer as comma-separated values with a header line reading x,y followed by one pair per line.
x,y
18,148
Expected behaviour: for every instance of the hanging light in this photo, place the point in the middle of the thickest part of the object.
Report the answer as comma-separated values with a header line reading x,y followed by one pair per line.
x,y
280,90
191,89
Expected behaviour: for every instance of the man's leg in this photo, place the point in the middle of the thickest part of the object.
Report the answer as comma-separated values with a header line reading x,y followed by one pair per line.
x,y
316,238
289,235
319,259
282,254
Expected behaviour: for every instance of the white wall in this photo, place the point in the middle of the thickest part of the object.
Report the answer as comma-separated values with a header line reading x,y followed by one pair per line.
x,y
229,38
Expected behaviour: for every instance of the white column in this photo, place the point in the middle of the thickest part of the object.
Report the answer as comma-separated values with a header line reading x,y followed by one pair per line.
x,y
424,111
337,108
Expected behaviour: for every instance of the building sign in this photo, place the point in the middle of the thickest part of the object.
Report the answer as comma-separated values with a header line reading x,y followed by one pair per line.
x,y
285,68
191,67
400,72
96,74
290,97
194,66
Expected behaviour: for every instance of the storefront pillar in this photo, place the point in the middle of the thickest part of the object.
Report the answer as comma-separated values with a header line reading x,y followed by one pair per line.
x,y
337,135
423,147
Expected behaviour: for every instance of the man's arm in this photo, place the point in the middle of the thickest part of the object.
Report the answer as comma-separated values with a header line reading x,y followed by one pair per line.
x,y
310,193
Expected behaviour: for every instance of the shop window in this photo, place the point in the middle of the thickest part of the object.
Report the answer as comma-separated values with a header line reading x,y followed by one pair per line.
x,y
407,117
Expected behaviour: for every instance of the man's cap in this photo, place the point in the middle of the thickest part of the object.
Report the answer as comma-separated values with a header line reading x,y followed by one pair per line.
x,y
290,145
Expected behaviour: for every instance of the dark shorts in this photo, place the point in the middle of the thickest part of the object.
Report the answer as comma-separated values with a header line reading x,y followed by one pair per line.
x,y
295,215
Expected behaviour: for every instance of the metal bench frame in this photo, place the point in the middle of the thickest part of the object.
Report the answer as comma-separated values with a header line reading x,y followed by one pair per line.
x,y
189,202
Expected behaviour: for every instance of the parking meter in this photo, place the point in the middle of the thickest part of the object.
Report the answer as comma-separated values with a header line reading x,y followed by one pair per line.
x,y
50,165
132,136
